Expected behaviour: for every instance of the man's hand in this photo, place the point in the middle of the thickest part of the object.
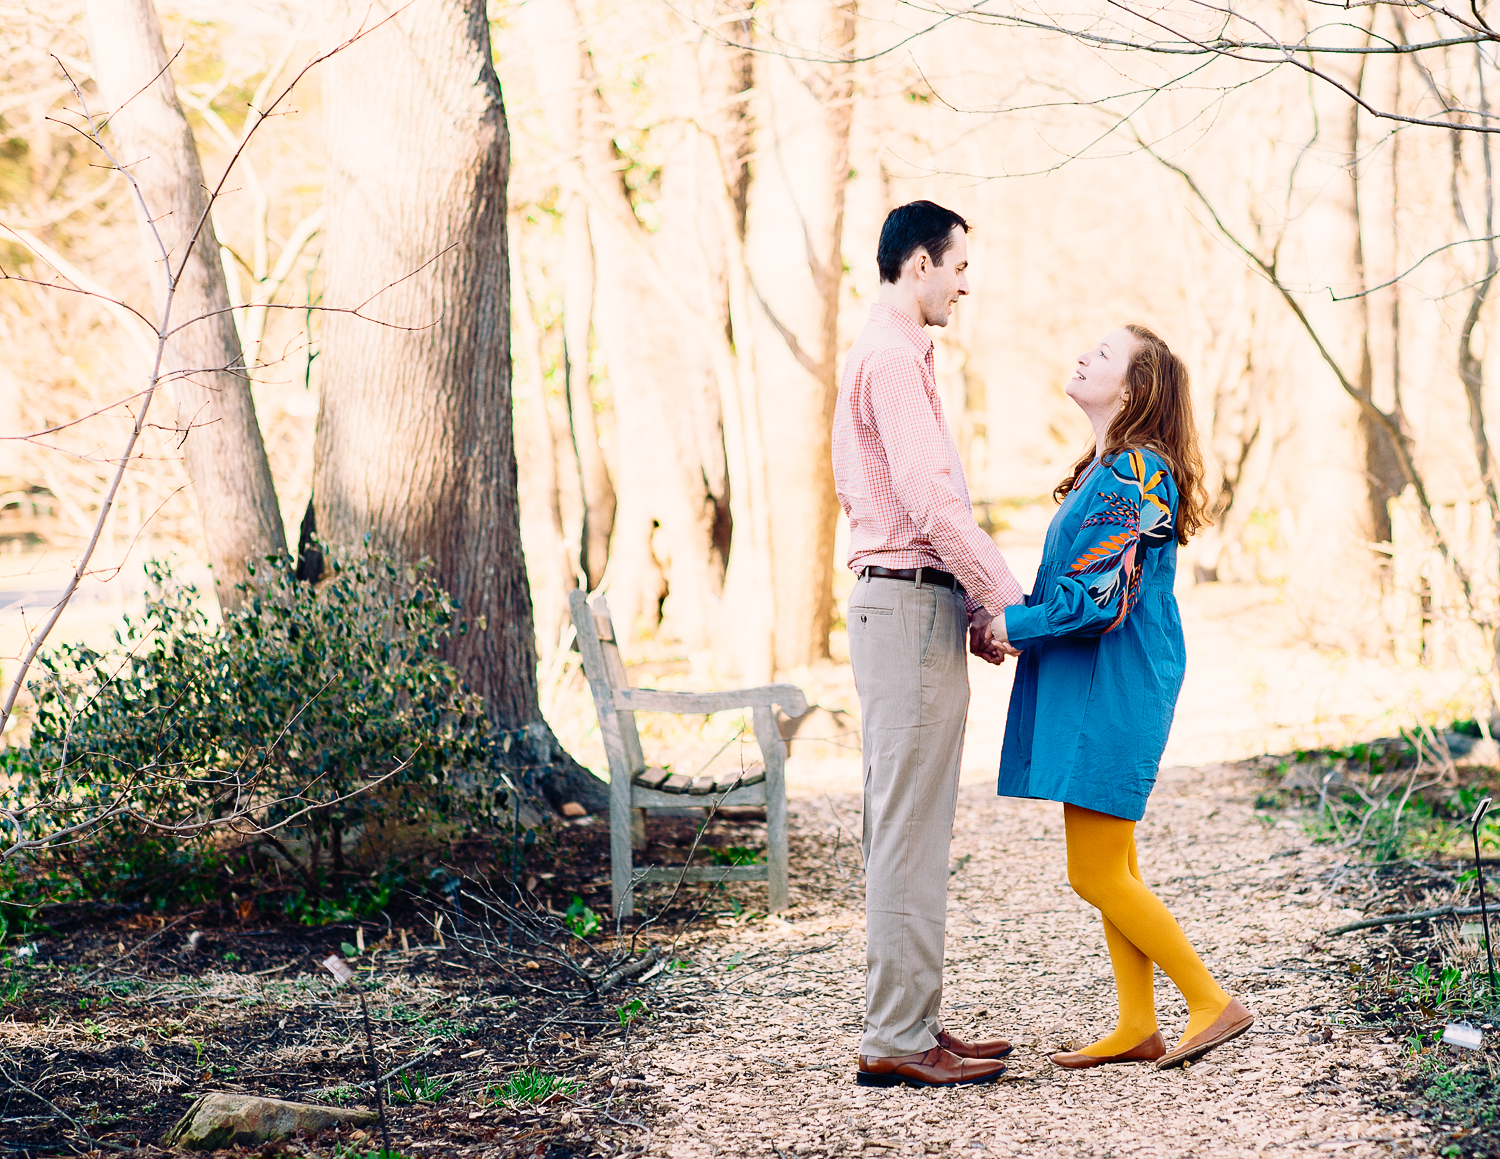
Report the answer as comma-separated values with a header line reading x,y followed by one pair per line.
x,y
982,640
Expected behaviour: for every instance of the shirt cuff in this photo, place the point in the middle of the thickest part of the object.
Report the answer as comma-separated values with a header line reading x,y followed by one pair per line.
x,y
1024,626
998,599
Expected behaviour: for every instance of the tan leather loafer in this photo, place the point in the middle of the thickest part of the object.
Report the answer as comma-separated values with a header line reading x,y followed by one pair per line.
x,y
933,1068
1235,1020
1149,1051
992,1048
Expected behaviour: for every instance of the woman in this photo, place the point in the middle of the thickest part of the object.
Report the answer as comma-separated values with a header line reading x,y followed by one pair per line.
x,y
1100,669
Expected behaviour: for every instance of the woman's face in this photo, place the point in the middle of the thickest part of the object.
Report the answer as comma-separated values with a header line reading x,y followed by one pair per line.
x,y
1098,385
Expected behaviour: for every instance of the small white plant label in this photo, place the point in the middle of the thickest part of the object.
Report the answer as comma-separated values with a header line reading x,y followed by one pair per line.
x,y
339,968
1464,1035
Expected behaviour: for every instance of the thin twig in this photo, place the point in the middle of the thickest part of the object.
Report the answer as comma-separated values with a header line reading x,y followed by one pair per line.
x,y
1426,915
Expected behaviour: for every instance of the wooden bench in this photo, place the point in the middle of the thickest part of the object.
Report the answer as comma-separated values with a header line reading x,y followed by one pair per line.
x,y
633,787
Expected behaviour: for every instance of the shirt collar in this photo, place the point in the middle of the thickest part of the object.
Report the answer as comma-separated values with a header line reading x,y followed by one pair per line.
x,y
903,325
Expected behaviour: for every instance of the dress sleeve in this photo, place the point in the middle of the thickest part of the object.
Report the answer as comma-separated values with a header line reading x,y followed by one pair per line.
x,y
1129,504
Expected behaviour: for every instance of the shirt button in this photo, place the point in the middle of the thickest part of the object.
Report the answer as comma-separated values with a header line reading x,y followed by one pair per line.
x,y
862,619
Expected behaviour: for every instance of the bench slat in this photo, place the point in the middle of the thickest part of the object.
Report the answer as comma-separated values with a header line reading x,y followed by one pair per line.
x,y
788,696
641,798
698,873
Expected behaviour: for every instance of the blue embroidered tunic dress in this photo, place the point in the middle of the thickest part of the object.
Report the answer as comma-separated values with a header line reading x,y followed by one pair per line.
x,y
1103,656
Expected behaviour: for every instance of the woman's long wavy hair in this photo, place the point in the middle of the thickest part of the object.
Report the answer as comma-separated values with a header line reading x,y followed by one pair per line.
x,y
1158,413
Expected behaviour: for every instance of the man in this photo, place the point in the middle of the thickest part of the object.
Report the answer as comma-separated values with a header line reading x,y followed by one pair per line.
x,y
926,573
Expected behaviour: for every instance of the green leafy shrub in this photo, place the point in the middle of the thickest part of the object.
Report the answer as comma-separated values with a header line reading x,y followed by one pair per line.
x,y
119,863
1437,988
362,900
322,706
353,1152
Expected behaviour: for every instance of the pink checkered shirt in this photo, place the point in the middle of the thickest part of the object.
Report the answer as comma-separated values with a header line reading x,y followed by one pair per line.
x,y
897,469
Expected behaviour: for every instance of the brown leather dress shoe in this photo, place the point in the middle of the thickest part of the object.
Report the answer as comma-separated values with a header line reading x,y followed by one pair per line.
x,y
1149,1051
1235,1020
933,1068
993,1048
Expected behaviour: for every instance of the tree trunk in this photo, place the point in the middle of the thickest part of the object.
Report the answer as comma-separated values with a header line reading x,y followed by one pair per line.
x,y
795,228
550,574
556,38
748,627
202,363
671,532
414,446
578,327
1383,478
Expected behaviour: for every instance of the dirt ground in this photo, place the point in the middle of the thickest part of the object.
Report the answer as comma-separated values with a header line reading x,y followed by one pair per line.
x,y
744,1043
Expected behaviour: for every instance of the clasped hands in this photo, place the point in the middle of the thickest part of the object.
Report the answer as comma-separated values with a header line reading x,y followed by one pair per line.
x,y
987,637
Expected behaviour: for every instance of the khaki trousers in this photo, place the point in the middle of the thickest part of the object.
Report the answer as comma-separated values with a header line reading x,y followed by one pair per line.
x,y
906,645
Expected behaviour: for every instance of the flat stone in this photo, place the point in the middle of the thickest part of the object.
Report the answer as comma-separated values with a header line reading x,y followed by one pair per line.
x,y
226,1120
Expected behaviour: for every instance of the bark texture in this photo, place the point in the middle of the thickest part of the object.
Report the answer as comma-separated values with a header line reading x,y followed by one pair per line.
x,y
415,445
202,362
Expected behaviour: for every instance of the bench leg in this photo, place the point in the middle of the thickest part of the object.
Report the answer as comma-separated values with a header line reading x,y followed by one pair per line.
x,y
776,852
774,753
620,859
638,830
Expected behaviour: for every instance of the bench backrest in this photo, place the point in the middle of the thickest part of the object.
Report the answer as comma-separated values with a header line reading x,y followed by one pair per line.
x,y
605,671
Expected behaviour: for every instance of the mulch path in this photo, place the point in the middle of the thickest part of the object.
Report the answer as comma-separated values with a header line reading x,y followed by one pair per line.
x,y
771,1071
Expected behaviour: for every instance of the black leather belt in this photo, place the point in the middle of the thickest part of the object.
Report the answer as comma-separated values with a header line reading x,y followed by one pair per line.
x,y
917,575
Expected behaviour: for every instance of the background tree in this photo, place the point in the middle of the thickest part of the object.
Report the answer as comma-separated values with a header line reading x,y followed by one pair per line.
x,y
715,217
793,234
415,447
672,204
204,366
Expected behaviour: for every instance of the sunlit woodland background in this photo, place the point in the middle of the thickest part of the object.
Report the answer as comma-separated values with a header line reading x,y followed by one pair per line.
x,y
695,190
343,343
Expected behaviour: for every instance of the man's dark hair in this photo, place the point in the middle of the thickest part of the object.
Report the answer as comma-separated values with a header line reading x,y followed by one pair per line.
x,y
908,228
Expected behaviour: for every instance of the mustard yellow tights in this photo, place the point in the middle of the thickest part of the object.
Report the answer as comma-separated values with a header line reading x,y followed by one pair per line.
x,y
1102,869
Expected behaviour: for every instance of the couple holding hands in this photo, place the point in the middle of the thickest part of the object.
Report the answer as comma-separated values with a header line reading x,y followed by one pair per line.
x,y
1099,651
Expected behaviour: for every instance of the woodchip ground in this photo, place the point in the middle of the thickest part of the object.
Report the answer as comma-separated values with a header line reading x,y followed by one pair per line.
x,y
770,1070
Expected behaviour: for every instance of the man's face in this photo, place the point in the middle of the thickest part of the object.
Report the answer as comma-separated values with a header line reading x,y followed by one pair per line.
x,y
941,286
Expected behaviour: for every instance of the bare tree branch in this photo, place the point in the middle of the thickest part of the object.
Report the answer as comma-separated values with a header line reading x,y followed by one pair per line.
x,y
239,785
1389,423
